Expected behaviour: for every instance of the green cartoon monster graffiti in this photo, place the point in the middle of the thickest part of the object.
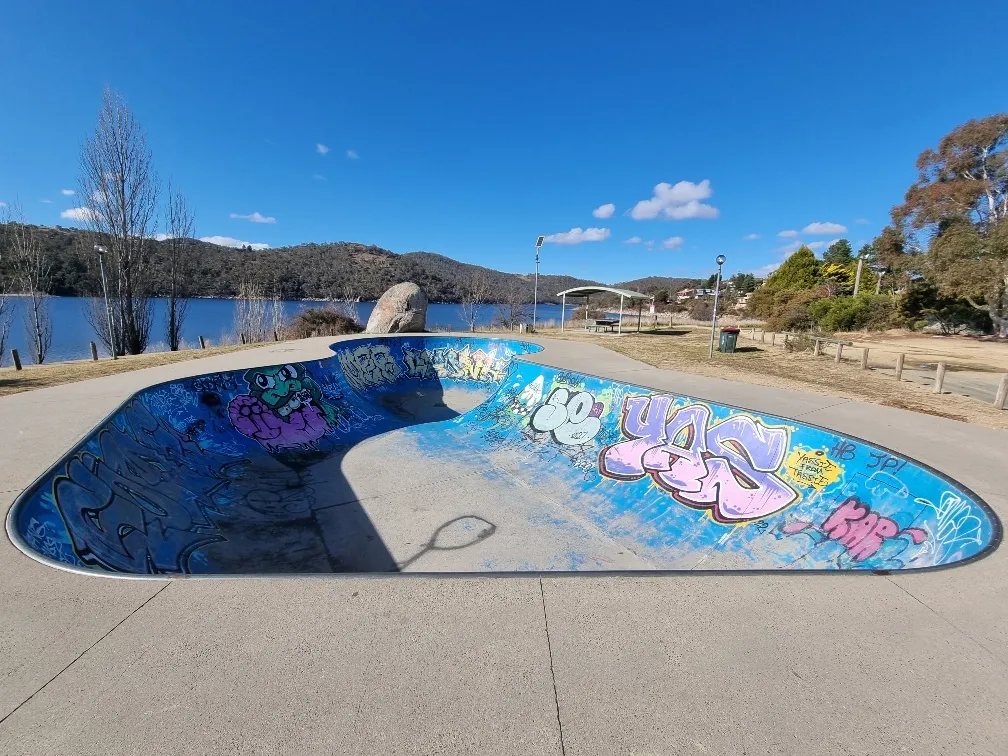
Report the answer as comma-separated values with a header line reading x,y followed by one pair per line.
x,y
284,407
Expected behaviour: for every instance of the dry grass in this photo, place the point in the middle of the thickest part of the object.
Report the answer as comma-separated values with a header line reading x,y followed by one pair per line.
x,y
42,376
686,350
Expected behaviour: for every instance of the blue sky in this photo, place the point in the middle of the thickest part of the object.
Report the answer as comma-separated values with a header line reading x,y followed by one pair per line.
x,y
469,128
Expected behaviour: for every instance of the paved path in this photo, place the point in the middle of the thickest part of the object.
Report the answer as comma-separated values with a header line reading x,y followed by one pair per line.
x,y
812,664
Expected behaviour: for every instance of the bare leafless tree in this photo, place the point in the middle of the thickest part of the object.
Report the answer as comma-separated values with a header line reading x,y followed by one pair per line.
x,y
474,294
119,189
178,246
278,317
345,303
512,308
250,319
32,265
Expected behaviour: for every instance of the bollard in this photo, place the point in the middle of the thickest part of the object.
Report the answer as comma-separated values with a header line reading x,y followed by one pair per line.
x,y
762,337
864,358
773,339
817,349
202,343
94,351
17,358
899,367
939,378
754,333
839,354
1002,392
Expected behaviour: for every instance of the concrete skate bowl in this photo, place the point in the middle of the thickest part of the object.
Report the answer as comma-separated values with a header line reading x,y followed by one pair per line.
x,y
461,455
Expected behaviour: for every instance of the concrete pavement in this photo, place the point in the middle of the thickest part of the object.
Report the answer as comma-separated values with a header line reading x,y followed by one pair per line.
x,y
821,664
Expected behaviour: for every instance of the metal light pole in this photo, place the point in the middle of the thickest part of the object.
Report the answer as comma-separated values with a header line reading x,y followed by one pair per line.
x,y
717,293
535,291
108,310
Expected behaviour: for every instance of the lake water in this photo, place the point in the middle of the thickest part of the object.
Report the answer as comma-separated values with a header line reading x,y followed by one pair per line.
x,y
211,318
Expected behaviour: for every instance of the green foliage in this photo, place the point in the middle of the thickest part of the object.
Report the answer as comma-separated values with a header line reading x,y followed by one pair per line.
x,y
321,322
865,311
800,271
783,309
744,283
837,278
923,301
839,252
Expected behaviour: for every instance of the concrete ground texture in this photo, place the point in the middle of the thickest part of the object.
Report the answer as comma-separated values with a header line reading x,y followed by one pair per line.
x,y
849,663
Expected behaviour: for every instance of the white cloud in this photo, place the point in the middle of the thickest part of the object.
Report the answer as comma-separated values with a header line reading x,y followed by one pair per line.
x,y
352,154
255,217
321,149
751,237
67,192
789,248
318,177
97,197
862,221
673,242
604,211
824,228
677,202
162,236
649,243
3,204
789,234
816,245
46,201
227,241
578,235
633,240
80,214
766,270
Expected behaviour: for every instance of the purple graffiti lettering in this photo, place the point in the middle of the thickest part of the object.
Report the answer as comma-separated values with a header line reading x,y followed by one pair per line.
x,y
728,469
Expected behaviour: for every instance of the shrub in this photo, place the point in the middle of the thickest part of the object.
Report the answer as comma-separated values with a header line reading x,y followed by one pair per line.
x,y
875,312
701,309
321,322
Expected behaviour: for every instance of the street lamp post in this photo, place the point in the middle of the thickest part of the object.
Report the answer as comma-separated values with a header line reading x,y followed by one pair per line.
x,y
717,294
535,291
108,310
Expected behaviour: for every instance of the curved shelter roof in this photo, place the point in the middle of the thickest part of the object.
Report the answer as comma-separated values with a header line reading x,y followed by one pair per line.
x,y
587,291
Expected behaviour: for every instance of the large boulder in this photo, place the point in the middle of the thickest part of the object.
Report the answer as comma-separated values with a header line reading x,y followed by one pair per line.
x,y
401,309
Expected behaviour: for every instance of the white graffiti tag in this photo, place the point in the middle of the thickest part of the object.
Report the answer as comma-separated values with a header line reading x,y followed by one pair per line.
x,y
955,528
368,365
572,417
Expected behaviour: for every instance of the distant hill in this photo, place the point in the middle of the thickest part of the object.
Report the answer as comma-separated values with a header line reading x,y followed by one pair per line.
x,y
651,284
304,271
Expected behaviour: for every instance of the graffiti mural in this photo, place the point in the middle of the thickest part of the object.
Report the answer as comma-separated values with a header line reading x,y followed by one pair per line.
x,y
728,468
572,418
859,530
244,472
284,408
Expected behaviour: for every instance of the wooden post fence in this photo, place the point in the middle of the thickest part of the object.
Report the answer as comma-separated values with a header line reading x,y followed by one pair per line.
x,y
17,358
773,339
864,358
817,349
94,351
202,343
940,378
899,367
1002,392
839,353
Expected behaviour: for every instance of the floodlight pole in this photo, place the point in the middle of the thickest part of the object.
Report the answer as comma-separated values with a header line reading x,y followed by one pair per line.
x,y
717,293
535,290
108,310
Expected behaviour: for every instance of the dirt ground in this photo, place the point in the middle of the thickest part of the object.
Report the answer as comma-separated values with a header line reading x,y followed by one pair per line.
x,y
40,376
686,349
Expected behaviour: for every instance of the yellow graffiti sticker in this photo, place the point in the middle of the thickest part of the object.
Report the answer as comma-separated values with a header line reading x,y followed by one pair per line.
x,y
811,468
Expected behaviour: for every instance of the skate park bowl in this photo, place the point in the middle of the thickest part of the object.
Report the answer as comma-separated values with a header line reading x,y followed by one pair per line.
x,y
458,455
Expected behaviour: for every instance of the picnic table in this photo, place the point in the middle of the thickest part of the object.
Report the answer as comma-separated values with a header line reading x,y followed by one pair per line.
x,y
601,323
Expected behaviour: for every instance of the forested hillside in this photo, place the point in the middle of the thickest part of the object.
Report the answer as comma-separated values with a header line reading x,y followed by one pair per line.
x,y
305,271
